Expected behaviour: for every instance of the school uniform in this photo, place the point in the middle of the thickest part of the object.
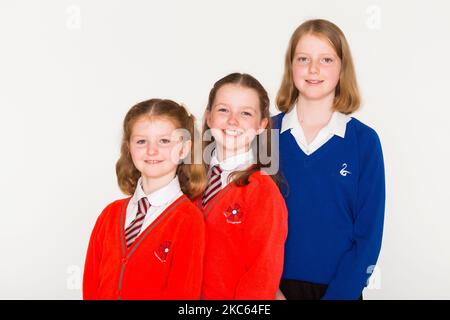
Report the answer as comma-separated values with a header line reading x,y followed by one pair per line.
x,y
165,261
246,229
335,197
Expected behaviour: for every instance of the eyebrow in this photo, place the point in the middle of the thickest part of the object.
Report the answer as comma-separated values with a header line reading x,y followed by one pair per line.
x,y
320,54
144,136
226,105
220,104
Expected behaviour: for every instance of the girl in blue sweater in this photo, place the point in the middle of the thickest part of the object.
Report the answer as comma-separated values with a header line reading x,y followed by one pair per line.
x,y
333,166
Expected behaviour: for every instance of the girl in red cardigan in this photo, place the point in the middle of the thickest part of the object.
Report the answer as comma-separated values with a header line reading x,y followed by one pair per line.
x,y
245,214
151,245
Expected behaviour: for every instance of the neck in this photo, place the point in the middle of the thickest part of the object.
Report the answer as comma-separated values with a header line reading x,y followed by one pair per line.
x,y
151,184
223,153
314,112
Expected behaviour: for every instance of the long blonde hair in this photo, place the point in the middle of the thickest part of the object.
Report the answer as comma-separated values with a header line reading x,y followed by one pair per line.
x,y
347,98
192,177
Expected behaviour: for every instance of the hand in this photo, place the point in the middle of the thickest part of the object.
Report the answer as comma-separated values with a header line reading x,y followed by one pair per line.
x,y
279,295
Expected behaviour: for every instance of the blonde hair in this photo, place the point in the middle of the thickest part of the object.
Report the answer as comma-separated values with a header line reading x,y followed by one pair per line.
x,y
192,177
347,98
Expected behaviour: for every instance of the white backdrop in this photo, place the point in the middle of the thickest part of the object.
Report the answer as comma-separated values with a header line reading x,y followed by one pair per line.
x,y
70,70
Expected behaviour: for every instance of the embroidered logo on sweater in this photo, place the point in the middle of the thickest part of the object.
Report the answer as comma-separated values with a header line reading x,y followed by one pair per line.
x,y
163,250
234,214
343,171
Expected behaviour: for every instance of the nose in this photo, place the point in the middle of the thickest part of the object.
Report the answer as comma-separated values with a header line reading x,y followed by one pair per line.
x,y
152,149
314,67
232,120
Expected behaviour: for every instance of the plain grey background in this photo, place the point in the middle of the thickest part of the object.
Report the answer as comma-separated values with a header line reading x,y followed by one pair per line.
x,y
70,70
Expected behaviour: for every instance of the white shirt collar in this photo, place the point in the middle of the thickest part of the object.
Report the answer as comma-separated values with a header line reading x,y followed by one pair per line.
x,y
161,196
336,126
238,162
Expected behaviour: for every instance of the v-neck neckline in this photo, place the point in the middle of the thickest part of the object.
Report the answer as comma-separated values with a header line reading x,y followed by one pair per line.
x,y
128,251
317,154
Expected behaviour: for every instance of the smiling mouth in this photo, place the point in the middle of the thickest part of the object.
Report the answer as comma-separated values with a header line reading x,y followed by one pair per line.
x,y
314,82
234,133
153,161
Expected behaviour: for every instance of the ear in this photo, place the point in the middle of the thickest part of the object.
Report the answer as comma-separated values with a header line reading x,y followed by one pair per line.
x,y
208,117
263,125
185,149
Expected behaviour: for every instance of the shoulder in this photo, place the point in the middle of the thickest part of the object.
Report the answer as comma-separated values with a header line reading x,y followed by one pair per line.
x,y
116,205
367,139
111,211
264,197
188,219
262,185
362,131
189,210
260,177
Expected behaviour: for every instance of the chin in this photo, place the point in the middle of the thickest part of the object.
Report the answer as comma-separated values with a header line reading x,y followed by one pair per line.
x,y
154,175
316,96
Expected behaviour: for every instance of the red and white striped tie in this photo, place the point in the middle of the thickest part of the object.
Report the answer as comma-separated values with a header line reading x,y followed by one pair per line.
x,y
132,231
214,184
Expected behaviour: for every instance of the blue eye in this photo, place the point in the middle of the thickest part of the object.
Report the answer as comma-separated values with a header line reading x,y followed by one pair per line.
x,y
140,141
164,141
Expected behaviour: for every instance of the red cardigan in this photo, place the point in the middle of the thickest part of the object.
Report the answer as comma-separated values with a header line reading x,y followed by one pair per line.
x,y
164,262
246,228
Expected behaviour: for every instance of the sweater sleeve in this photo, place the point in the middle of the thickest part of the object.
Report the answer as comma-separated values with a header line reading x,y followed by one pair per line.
x,y
186,274
265,235
93,257
357,264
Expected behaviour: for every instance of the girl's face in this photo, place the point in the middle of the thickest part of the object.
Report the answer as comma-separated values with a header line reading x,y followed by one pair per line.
x,y
156,148
235,119
315,68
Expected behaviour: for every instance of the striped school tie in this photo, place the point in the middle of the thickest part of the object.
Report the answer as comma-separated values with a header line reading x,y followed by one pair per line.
x,y
214,184
132,231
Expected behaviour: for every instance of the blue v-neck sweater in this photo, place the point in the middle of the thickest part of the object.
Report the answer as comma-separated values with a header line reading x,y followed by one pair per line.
x,y
335,199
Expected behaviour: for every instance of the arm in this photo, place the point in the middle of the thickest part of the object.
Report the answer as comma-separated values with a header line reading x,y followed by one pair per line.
x,y
186,274
353,270
93,258
265,234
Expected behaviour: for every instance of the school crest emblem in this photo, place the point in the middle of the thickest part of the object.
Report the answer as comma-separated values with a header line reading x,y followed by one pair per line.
x,y
163,250
234,214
